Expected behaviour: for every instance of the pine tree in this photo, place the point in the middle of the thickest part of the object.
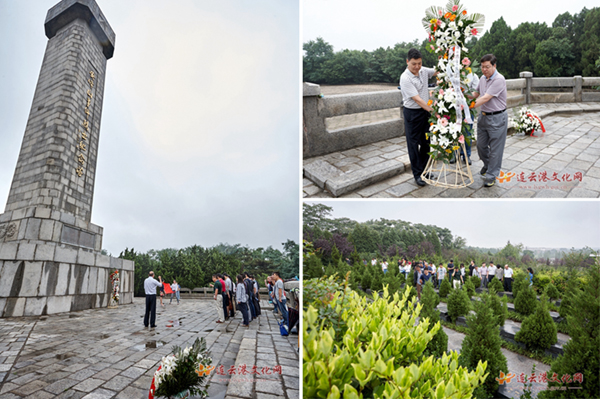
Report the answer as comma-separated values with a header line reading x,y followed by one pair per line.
x,y
469,288
552,292
519,283
429,299
482,342
445,288
496,285
582,352
526,302
499,306
538,331
571,291
313,267
459,304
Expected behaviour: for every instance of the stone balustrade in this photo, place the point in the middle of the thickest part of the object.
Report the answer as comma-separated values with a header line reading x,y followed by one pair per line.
x,y
319,140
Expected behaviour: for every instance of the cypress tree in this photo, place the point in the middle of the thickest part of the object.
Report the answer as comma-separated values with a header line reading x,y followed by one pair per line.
x,y
526,302
538,331
445,288
470,288
552,292
429,299
459,304
482,343
582,351
496,285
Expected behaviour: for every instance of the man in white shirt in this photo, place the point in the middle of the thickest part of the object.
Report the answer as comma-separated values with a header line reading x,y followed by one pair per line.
x,y
508,273
150,286
416,111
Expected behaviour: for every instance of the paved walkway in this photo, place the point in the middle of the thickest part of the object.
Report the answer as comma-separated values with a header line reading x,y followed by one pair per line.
x,y
569,146
104,353
516,363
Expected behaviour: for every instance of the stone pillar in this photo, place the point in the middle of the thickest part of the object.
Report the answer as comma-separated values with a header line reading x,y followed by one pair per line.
x,y
50,252
313,124
528,78
578,88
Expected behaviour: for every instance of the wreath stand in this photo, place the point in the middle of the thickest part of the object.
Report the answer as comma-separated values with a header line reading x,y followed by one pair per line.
x,y
457,175
113,302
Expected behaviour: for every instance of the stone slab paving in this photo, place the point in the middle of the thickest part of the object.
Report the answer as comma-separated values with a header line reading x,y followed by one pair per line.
x,y
570,145
516,363
106,353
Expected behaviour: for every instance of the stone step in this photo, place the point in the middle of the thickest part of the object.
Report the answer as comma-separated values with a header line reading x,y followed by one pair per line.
x,y
338,182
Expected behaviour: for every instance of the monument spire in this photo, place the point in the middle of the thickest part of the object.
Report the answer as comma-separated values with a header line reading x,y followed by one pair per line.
x,y
46,230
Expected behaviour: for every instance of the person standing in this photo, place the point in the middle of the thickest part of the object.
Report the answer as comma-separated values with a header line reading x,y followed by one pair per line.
x,y
161,290
281,298
492,124
242,299
451,270
471,268
508,273
441,272
249,290
150,286
499,273
384,266
433,275
491,272
456,278
229,287
218,298
417,280
483,274
414,83
175,288
530,276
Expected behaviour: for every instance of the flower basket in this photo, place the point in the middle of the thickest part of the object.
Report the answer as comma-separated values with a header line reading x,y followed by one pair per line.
x,y
114,297
183,373
527,122
449,28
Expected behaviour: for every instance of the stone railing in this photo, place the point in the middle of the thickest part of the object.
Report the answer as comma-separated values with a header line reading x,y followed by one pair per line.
x,y
319,140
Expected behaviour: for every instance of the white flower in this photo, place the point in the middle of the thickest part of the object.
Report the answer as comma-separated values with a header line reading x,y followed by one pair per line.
x,y
460,23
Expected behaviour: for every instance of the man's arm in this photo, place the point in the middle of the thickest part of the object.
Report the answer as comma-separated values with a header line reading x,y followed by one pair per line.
x,y
422,103
482,100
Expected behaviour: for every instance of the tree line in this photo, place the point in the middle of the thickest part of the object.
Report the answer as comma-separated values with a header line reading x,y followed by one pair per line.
x,y
336,239
194,266
571,46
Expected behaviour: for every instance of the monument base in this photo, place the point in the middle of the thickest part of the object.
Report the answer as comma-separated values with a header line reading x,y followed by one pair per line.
x,y
48,278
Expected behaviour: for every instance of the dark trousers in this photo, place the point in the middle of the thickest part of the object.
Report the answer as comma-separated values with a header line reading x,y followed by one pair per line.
x,y
508,284
251,306
243,306
416,125
150,311
225,305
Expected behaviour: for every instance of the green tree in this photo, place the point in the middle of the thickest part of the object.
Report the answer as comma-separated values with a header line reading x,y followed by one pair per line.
x,y
554,57
364,238
316,53
483,344
538,331
581,353
526,302
445,288
458,304
429,299
497,41
590,43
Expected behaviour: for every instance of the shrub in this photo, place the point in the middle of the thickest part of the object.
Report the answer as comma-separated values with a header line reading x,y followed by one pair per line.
x,y
380,353
376,283
445,288
458,304
519,283
526,302
496,285
366,280
482,343
581,353
571,291
439,343
499,306
540,282
476,281
469,288
538,331
552,292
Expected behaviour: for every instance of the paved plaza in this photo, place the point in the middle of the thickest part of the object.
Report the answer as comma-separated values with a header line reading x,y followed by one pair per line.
x,y
106,353
563,163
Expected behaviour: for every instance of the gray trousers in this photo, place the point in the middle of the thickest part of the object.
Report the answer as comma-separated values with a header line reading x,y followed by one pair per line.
x,y
491,137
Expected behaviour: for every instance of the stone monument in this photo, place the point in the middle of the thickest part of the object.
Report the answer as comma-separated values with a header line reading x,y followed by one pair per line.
x,y
50,252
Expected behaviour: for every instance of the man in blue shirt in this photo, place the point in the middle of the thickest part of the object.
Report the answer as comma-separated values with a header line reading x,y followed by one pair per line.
x,y
150,286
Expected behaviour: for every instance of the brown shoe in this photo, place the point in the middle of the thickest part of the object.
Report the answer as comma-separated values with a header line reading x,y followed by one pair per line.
x,y
219,321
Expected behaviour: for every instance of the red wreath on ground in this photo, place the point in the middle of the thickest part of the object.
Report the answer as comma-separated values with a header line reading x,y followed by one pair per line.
x,y
541,124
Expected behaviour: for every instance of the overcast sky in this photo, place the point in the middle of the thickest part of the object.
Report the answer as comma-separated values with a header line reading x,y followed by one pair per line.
x,y
367,25
490,223
199,139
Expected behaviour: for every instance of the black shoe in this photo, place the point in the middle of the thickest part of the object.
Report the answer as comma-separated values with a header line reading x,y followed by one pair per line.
x,y
452,161
420,181
470,163
489,183
429,175
483,170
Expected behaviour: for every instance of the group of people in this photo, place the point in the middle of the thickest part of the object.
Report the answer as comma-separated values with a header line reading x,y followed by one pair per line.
x,y
243,295
425,271
489,93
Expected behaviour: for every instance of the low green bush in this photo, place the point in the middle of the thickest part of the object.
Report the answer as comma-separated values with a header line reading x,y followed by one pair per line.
x,y
552,292
526,302
496,285
538,331
445,288
469,288
459,304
